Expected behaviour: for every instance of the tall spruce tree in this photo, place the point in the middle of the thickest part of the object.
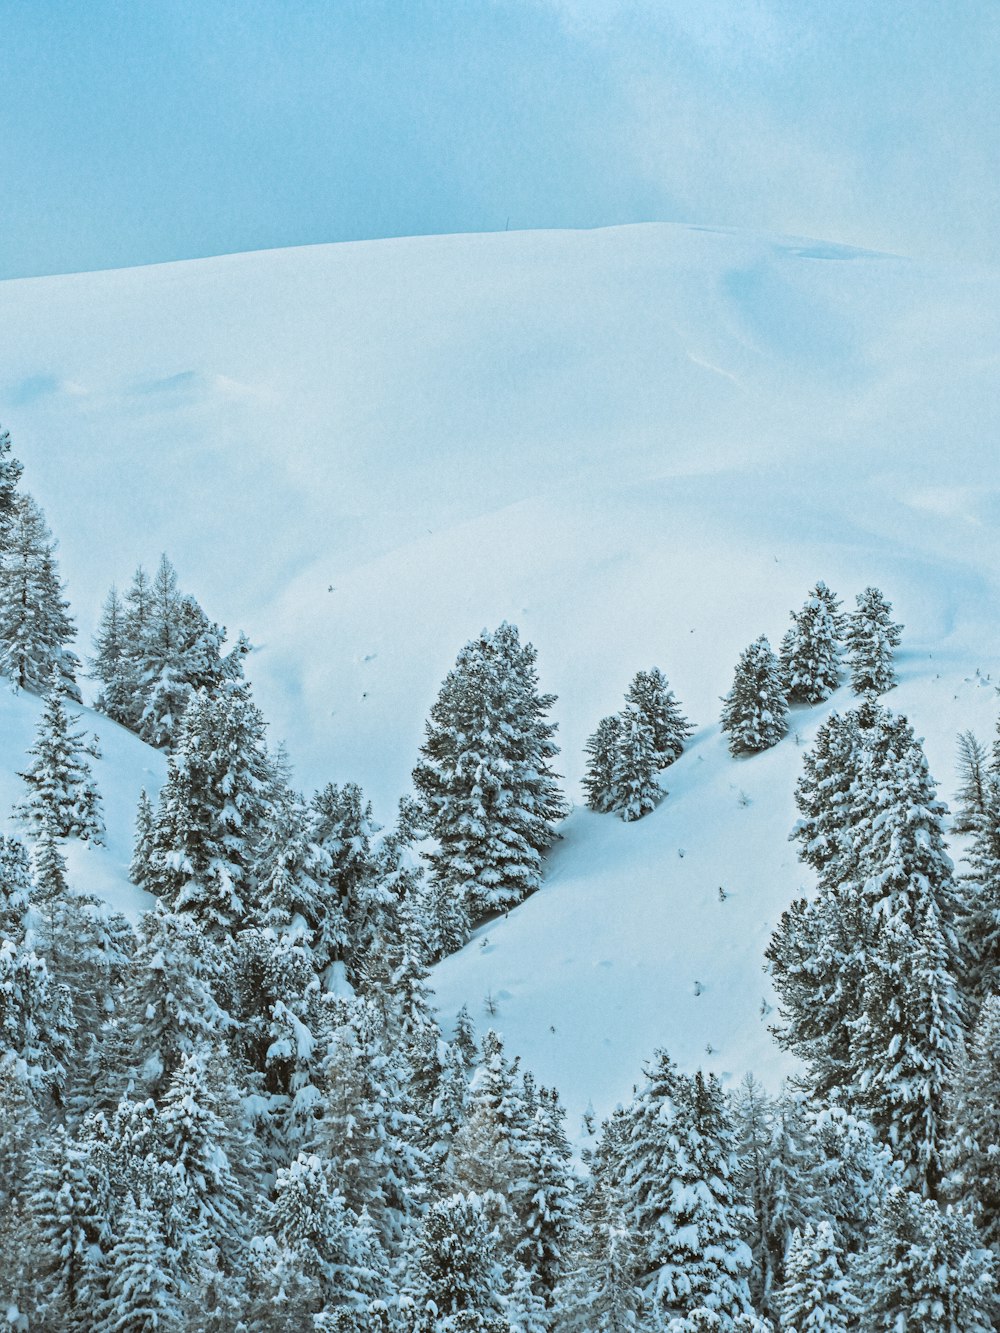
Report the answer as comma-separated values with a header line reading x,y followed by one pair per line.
x,y
974,778
975,1145
867,970
872,637
35,625
810,651
10,475
817,1295
62,793
456,1281
111,663
925,1269
980,885
144,1286
653,697
212,812
694,1262
635,790
602,752
485,780
754,713
154,651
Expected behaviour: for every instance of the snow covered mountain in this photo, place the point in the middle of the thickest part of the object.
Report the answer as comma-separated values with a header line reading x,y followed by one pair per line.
x,y
642,445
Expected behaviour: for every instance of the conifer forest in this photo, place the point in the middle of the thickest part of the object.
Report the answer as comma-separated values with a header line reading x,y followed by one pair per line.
x,y
243,1111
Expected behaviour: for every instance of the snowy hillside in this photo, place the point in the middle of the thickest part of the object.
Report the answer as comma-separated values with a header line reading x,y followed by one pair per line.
x,y
126,768
642,445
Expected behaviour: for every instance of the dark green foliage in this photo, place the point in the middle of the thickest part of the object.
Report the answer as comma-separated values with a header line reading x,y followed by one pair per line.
x,y
975,1145
635,790
212,812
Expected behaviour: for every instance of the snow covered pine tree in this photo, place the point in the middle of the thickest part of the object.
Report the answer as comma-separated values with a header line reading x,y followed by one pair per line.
x,y
754,712
485,780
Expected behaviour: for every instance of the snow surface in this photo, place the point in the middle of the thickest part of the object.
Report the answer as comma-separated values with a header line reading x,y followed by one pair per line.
x,y
643,445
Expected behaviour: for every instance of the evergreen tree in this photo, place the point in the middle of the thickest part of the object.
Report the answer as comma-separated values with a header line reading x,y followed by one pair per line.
x,y
169,1006
34,1022
489,1151
925,1269
909,1027
112,664
755,709
867,971
780,1177
61,788
69,1234
179,654
810,651
301,891
489,795
979,925
212,811
601,1295
143,1285
201,1141
320,1256
602,753
10,475
143,843
974,778
155,651
824,795
652,696
369,1129
549,1201
343,828
975,1175
455,1270
680,1181
817,1296
634,788
871,639
833,604
35,625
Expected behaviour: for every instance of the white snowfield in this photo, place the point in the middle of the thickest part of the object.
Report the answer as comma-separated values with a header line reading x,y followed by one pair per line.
x,y
642,445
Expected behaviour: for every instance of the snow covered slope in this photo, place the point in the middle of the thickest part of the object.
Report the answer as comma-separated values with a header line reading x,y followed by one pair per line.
x,y
642,445
125,768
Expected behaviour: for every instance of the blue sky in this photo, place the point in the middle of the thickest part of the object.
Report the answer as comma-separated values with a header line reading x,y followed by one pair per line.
x,y
135,131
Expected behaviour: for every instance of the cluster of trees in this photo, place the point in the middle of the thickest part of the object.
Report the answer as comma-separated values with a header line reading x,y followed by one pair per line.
x,y
807,671
243,1114
628,750
154,650
888,977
